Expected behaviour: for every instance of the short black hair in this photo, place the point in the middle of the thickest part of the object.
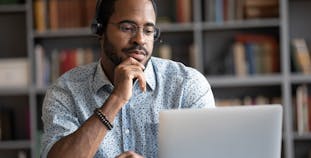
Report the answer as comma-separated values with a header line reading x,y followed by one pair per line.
x,y
105,9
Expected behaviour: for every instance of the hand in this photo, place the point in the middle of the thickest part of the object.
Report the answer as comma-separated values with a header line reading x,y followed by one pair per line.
x,y
129,154
124,74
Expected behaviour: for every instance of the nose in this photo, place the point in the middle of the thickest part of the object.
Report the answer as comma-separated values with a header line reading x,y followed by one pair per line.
x,y
139,37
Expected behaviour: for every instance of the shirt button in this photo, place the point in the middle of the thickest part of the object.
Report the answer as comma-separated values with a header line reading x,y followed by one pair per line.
x,y
127,131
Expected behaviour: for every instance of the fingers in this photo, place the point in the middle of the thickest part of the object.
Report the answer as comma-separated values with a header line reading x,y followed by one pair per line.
x,y
132,61
132,69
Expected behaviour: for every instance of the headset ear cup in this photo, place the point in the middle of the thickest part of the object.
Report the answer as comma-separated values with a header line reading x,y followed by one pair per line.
x,y
157,34
97,28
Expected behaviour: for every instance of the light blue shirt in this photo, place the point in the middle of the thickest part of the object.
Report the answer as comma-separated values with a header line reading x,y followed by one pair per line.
x,y
72,99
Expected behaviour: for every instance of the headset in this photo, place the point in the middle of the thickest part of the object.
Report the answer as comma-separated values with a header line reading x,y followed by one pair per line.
x,y
97,25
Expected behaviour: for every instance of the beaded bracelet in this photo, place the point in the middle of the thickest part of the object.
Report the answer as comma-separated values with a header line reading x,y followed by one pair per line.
x,y
103,118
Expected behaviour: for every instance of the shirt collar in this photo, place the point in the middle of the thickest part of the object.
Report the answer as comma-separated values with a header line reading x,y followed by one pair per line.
x,y
101,80
150,75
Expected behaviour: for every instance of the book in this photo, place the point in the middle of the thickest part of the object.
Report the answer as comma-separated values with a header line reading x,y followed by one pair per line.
x,y
54,65
302,109
261,8
67,14
210,10
40,61
239,14
40,15
301,54
90,6
219,16
183,11
68,60
53,14
239,61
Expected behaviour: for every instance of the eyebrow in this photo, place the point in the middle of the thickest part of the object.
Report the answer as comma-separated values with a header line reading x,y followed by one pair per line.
x,y
133,22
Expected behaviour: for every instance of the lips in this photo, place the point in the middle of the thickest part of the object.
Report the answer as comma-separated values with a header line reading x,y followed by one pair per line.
x,y
139,55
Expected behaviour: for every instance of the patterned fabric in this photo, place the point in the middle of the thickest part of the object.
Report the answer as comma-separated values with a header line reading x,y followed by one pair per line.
x,y
72,99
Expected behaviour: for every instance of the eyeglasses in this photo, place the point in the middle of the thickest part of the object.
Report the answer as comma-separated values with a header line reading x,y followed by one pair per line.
x,y
131,29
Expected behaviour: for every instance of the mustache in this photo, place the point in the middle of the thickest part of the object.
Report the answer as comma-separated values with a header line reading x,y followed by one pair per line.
x,y
134,48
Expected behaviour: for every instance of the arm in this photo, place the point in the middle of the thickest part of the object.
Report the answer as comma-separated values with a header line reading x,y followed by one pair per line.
x,y
85,141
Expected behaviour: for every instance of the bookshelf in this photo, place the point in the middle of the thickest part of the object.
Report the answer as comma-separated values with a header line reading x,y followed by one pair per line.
x,y
211,39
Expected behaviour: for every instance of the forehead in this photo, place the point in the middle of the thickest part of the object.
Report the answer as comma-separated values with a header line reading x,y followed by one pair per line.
x,y
139,11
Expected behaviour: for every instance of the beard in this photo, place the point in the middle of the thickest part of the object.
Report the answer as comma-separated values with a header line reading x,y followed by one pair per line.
x,y
112,53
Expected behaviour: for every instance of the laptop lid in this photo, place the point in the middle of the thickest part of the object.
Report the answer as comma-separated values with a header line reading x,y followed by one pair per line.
x,y
222,132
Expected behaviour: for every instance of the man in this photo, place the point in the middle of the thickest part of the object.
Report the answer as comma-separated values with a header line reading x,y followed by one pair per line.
x,y
111,108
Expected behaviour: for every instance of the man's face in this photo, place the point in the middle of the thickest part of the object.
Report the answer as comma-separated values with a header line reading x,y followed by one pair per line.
x,y
120,41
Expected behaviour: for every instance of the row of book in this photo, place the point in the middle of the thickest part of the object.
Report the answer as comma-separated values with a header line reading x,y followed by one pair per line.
x,y
228,10
248,100
50,65
58,14
254,54
187,56
301,56
302,104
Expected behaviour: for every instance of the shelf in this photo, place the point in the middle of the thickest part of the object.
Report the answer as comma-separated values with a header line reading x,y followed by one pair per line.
x,y
208,26
176,27
12,8
300,78
14,91
305,136
65,33
232,81
18,144
41,91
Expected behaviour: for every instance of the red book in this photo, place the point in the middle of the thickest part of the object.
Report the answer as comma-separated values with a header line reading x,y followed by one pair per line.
x,y
68,60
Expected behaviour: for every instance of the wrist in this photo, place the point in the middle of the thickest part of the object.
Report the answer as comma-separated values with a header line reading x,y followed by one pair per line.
x,y
119,98
112,106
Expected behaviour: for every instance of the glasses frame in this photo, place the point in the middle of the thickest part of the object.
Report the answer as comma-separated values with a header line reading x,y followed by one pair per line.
x,y
154,34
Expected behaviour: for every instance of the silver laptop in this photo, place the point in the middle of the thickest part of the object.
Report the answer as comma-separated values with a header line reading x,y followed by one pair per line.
x,y
222,132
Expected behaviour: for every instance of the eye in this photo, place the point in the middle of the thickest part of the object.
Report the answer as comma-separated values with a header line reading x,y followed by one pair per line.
x,y
127,27
148,30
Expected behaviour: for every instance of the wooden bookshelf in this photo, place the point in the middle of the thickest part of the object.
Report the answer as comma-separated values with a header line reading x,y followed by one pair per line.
x,y
210,39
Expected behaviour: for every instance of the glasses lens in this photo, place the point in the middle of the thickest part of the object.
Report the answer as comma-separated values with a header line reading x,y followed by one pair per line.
x,y
128,28
149,30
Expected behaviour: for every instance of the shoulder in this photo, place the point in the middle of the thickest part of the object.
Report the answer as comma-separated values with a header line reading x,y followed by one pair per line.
x,y
78,76
80,73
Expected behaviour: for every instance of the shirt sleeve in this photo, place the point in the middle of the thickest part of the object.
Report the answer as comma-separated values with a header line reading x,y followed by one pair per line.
x,y
197,91
58,117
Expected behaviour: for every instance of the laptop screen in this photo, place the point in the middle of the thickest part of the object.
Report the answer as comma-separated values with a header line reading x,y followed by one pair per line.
x,y
235,132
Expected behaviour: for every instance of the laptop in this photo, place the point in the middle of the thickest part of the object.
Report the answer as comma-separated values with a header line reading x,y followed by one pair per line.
x,y
222,132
